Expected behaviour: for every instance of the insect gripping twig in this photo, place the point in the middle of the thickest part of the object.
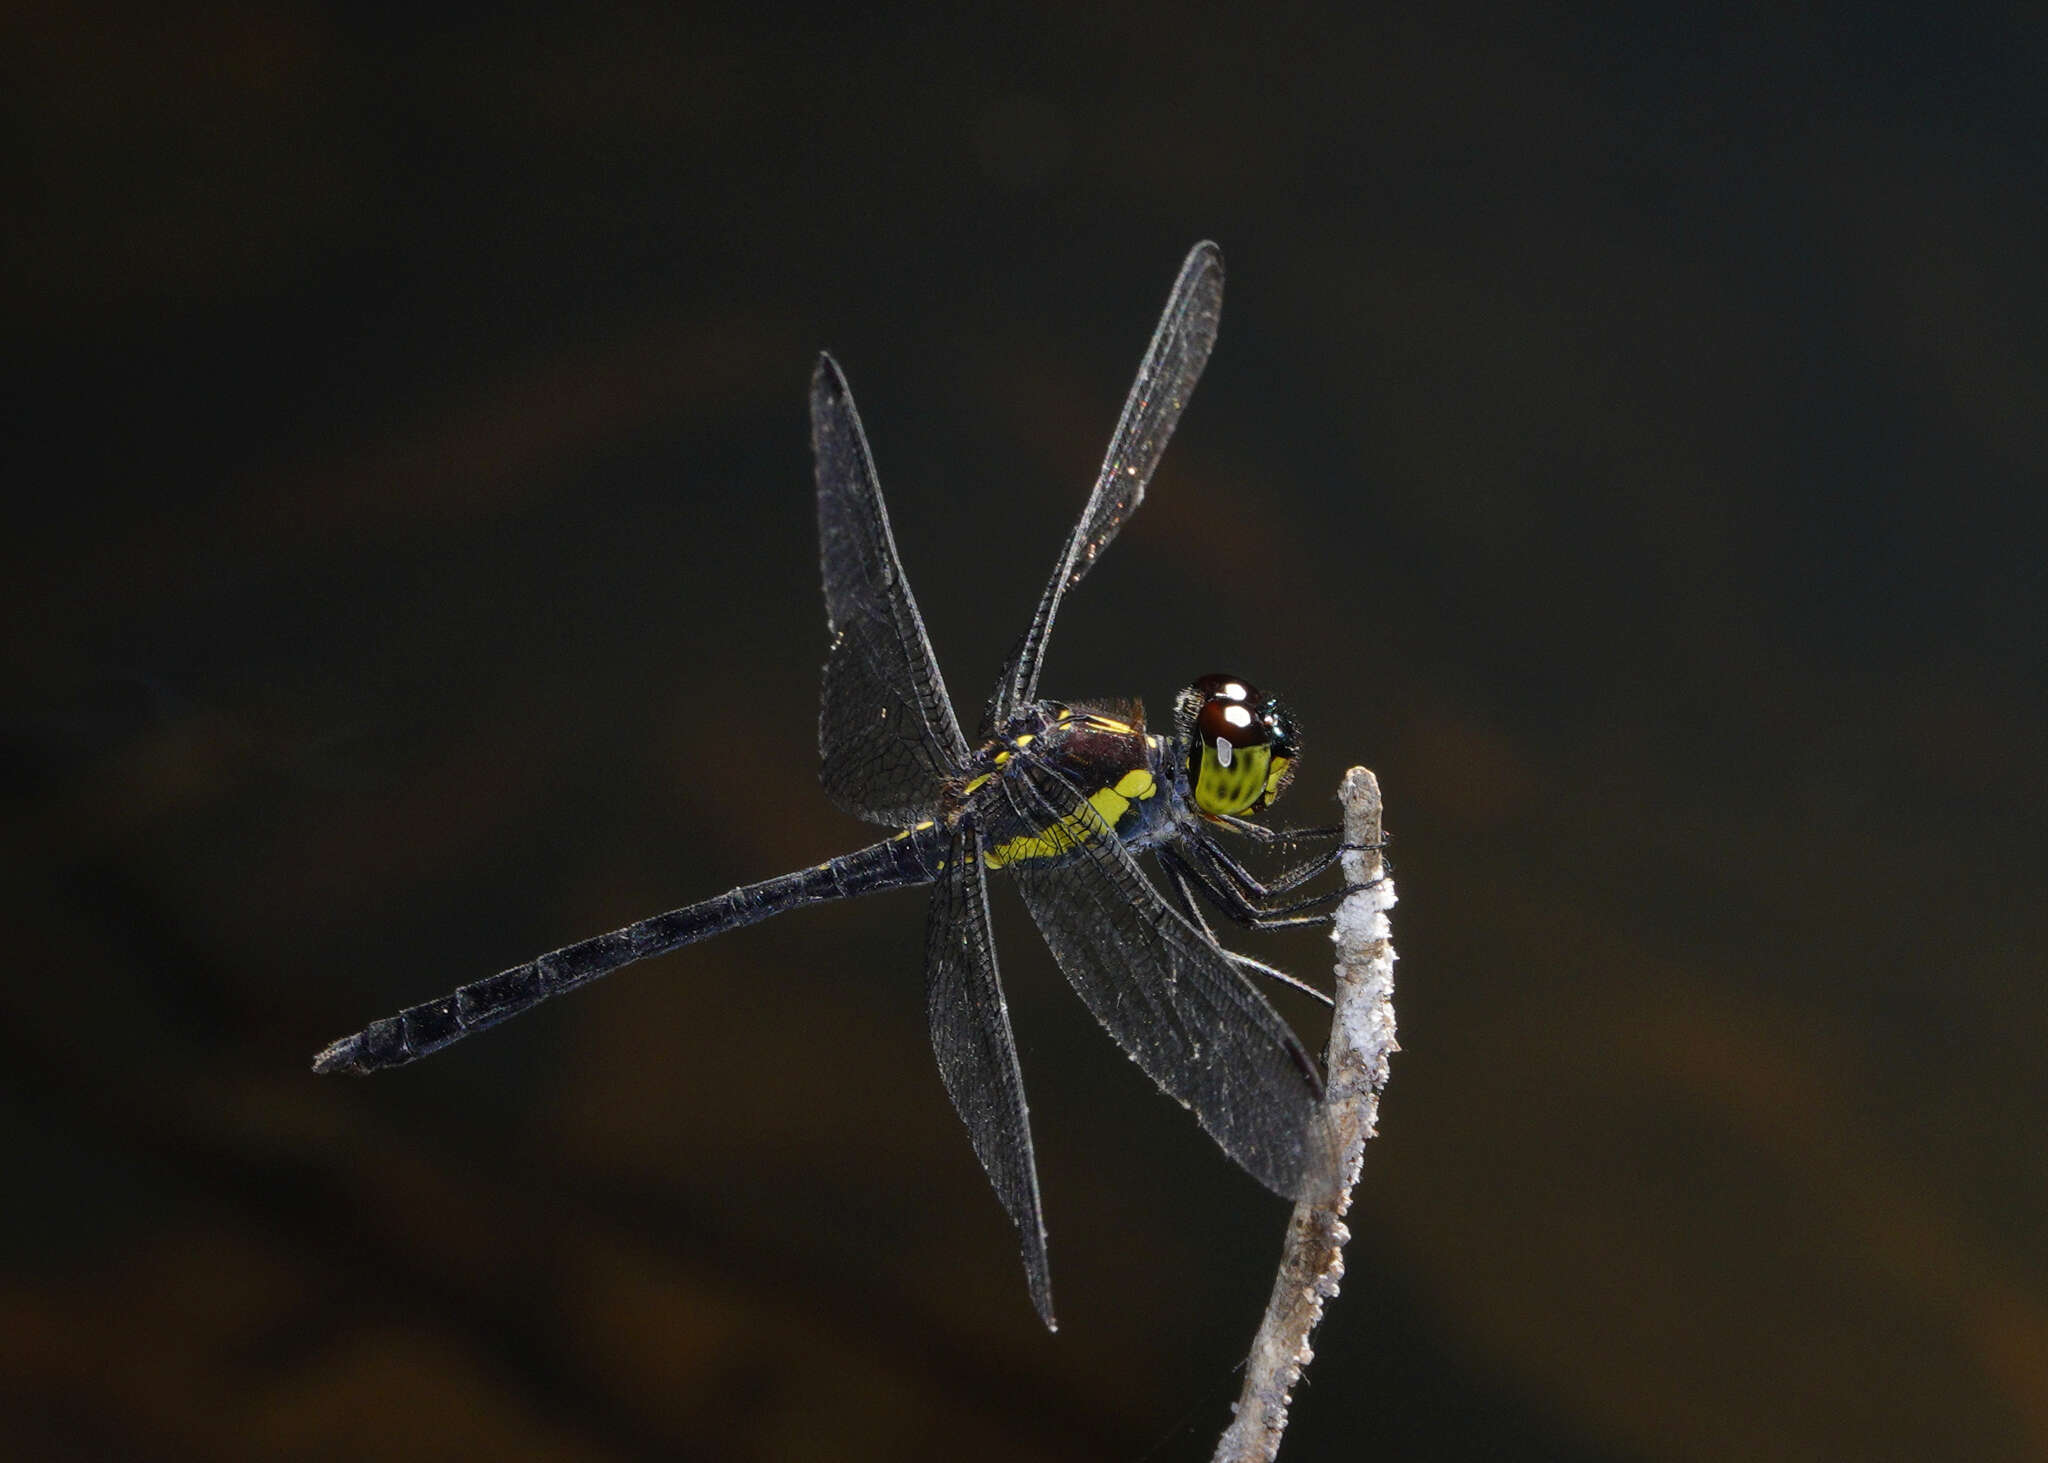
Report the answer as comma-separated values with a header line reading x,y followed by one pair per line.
x,y
1361,1040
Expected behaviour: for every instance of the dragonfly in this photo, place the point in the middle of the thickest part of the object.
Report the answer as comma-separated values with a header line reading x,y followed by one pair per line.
x,y
1064,798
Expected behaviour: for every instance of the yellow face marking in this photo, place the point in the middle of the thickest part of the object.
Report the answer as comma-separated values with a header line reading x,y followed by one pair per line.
x,y
1277,776
1220,790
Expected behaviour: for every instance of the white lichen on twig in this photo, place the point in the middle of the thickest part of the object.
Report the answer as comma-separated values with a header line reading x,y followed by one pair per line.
x,y
1361,1041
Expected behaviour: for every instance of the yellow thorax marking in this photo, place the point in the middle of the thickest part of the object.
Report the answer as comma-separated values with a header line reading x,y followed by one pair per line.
x,y
1136,785
1094,721
1106,808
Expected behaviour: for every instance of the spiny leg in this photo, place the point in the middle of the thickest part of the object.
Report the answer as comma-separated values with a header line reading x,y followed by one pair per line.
x,y
1272,837
1260,833
1183,898
1247,901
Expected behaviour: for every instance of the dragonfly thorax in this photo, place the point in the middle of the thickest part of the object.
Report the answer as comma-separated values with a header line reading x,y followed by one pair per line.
x,y
1241,745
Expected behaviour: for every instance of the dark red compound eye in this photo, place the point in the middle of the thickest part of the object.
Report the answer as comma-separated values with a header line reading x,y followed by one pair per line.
x,y
1226,688
1223,723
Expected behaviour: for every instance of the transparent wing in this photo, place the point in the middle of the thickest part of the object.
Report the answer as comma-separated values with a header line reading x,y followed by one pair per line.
x,y
1171,997
887,736
1166,378
970,1025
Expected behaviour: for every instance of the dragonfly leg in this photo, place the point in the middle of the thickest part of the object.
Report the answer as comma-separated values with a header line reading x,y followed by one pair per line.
x,y
1177,879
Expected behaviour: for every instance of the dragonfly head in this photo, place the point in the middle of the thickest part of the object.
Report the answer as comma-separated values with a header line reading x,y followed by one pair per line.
x,y
1241,745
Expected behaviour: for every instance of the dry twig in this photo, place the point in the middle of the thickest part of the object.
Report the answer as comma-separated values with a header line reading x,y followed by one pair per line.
x,y
1361,1040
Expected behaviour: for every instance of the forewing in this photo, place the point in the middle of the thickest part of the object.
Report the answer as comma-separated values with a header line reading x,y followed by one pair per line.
x,y
887,736
970,1025
1172,999
1166,378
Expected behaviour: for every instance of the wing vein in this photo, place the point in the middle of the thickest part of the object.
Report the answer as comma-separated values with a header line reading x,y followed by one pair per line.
x,y
1166,378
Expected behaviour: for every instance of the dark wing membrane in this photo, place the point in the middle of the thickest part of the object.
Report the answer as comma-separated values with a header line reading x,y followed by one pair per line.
x,y
1172,998
977,1056
887,737
1166,379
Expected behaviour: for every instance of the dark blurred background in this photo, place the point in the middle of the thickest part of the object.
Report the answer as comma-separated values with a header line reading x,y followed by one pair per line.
x,y
1626,434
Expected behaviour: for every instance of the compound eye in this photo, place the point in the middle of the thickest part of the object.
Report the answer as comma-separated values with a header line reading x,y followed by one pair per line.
x,y
1229,726
1225,688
